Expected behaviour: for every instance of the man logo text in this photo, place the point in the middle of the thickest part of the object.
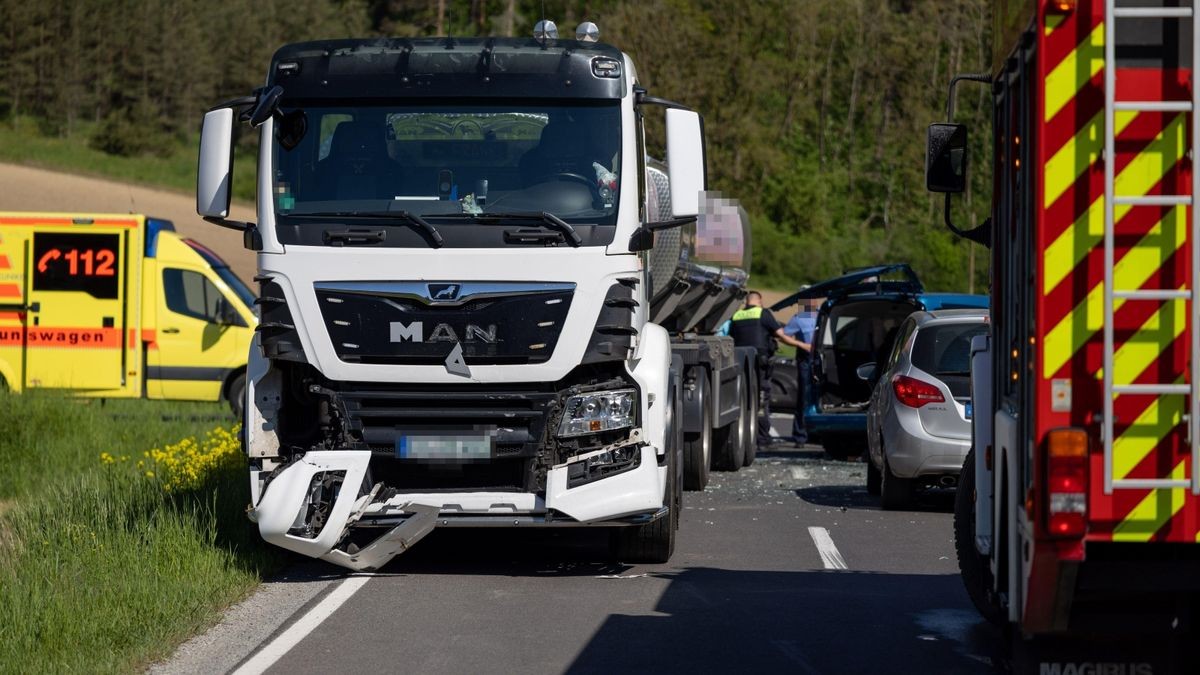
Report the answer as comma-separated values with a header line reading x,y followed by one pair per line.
x,y
442,332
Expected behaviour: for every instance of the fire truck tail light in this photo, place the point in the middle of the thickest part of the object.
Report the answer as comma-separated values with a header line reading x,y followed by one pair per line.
x,y
1066,482
914,393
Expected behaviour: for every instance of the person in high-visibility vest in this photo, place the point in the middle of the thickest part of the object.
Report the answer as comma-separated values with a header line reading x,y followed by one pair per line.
x,y
755,326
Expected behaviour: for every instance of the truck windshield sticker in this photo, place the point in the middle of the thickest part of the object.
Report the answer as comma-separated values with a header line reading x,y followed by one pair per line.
x,y
87,263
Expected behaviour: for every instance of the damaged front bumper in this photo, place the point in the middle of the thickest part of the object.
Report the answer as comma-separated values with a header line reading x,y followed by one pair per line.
x,y
319,506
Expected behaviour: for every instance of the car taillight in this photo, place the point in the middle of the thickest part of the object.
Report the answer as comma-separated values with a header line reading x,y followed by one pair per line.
x,y
914,393
1066,482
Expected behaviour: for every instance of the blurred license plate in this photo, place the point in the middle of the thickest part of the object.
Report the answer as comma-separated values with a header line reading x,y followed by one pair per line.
x,y
445,446
969,410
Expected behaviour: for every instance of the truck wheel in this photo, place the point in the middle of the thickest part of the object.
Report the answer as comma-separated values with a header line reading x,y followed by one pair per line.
x,y
750,425
697,447
874,479
235,395
653,542
976,575
728,441
895,493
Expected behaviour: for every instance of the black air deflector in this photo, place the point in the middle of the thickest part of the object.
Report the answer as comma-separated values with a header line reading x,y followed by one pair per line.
x,y
501,323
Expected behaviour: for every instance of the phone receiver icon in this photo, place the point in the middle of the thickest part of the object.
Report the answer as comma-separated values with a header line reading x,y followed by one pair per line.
x,y
47,258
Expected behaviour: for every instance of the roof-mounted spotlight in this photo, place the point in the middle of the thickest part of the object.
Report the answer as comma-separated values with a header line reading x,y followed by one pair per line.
x,y
587,32
545,31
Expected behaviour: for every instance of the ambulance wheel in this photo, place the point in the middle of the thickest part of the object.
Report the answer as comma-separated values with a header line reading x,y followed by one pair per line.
x,y
235,395
976,575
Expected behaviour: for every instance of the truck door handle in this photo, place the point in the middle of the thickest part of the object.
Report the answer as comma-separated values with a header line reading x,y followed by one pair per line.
x,y
171,331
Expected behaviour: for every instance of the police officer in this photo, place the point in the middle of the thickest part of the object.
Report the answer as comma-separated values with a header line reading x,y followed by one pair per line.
x,y
755,326
802,326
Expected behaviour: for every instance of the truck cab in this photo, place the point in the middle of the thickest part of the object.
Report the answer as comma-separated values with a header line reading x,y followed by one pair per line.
x,y
451,257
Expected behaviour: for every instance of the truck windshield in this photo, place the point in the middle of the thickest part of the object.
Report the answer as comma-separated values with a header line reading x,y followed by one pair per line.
x,y
446,163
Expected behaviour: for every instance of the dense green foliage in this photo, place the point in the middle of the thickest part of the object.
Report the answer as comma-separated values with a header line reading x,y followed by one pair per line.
x,y
105,568
815,109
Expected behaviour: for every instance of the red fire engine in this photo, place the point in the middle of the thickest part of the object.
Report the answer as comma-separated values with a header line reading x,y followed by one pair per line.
x,y
1079,507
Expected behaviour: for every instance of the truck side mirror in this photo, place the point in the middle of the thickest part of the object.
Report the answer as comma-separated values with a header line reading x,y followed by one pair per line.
x,y
946,158
215,172
685,161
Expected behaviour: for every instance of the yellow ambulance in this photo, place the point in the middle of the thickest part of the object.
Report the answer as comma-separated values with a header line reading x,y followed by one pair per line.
x,y
115,305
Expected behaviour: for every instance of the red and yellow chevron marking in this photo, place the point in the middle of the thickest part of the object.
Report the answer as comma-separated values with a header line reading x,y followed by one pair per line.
x,y
1151,252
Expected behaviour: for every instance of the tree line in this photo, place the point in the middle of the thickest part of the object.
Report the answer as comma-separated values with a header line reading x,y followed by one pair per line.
x,y
815,110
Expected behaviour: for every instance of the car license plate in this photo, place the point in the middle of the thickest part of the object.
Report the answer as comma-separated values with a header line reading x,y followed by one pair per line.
x,y
446,447
969,410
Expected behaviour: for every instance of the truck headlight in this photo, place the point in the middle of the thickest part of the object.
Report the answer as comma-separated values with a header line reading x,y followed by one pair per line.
x,y
597,411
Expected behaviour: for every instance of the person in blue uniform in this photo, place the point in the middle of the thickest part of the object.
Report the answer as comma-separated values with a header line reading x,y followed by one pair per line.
x,y
755,326
802,327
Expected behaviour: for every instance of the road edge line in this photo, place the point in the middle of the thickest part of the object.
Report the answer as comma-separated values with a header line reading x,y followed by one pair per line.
x,y
298,630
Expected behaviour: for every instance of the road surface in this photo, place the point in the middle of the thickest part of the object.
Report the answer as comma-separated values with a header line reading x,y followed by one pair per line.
x,y
786,566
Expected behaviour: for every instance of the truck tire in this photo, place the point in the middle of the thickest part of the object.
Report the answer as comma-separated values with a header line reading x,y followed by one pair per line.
x,y
976,574
874,479
235,395
653,542
895,493
727,441
750,428
697,447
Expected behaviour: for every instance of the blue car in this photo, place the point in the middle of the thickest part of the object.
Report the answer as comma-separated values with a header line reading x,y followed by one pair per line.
x,y
856,324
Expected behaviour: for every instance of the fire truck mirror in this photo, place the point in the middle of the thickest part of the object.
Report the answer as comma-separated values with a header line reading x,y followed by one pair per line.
x,y
946,158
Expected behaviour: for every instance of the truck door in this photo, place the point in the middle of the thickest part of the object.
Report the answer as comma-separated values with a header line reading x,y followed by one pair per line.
x,y
77,314
196,346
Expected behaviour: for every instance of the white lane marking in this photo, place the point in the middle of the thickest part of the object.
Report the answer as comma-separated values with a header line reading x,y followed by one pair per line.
x,y
275,649
830,556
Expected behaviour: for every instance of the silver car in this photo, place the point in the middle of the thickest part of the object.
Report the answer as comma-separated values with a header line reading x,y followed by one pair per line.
x,y
919,419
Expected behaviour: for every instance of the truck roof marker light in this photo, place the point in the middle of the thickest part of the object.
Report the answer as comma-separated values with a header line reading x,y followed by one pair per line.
x,y
587,32
544,31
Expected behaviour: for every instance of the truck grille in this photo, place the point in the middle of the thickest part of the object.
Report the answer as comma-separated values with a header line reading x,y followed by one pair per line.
x,y
420,323
377,415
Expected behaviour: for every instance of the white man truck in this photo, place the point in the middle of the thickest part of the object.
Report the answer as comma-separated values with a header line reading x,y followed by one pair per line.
x,y
459,289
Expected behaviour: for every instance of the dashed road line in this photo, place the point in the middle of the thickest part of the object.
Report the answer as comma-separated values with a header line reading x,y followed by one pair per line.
x,y
281,645
830,556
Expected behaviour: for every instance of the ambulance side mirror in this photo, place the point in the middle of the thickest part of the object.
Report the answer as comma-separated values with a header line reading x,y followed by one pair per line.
x,y
685,161
227,314
215,172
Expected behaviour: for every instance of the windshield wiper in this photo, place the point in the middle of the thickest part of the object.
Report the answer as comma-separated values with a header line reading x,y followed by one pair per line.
x,y
548,219
381,217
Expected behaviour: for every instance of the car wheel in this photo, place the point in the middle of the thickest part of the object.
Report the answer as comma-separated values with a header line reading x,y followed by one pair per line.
x,y
842,447
976,575
895,493
874,479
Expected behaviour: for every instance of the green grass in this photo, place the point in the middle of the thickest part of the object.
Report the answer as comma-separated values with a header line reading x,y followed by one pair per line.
x,y
22,143
102,569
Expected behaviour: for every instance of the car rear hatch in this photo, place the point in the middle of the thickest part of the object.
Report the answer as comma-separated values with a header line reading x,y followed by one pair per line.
x,y
856,325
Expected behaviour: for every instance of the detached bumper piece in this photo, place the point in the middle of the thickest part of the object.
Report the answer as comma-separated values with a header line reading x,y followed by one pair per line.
x,y
317,505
